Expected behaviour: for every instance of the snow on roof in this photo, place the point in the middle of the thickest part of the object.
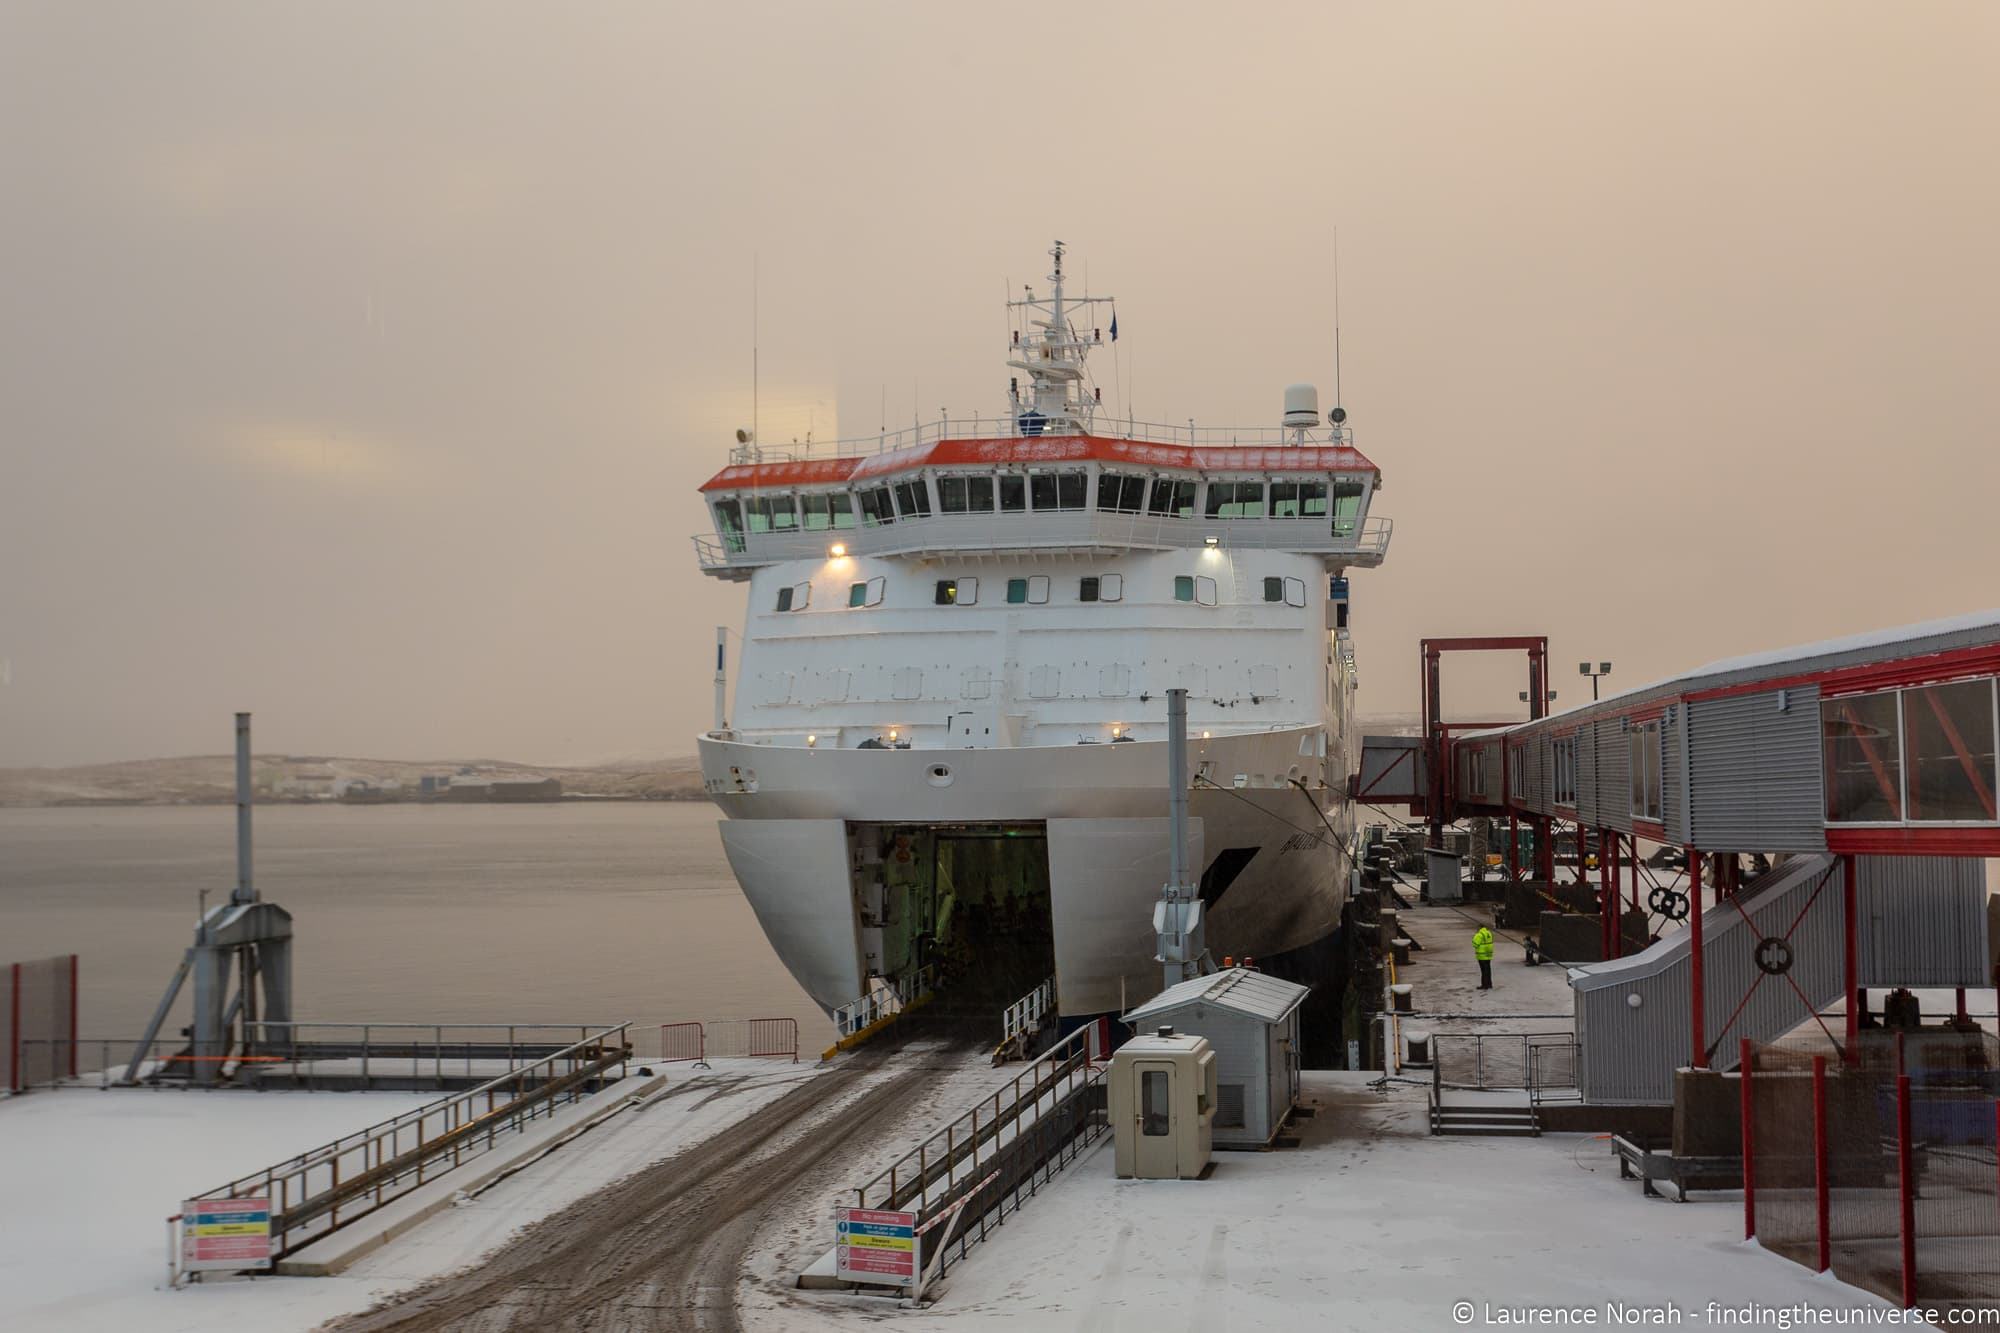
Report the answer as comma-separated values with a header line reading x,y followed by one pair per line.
x,y
1237,988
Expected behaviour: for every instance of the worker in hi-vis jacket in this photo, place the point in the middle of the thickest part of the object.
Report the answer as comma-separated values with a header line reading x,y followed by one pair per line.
x,y
1482,949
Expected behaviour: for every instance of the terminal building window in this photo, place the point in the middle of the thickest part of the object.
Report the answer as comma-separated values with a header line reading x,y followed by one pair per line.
x,y
1172,499
1121,493
821,513
1058,490
1235,499
1863,751
1948,752
965,495
1643,742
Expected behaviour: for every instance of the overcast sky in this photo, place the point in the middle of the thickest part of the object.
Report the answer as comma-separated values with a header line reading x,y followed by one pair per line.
x,y
360,361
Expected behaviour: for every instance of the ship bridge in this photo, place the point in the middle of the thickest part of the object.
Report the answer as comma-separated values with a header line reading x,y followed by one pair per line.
x,y
954,487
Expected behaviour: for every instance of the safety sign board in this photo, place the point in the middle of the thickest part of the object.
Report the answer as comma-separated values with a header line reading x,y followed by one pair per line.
x,y
876,1245
225,1234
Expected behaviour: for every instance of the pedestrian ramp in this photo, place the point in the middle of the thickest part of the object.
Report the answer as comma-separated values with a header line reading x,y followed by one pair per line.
x,y
1773,959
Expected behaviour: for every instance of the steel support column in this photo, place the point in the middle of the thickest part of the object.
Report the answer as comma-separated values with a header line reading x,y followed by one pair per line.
x,y
1850,960
1697,1018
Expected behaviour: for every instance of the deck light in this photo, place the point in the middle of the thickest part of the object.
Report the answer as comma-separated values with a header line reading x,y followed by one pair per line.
x,y
811,741
837,550
1211,540
892,735
1117,730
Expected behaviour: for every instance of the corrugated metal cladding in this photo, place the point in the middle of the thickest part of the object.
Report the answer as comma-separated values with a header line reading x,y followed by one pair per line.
x,y
1614,774
1756,770
1629,1052
1922,923
1586,775
1923,920
1673,791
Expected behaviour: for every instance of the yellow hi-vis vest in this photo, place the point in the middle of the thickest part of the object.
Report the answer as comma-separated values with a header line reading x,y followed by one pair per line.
x,y
1482,945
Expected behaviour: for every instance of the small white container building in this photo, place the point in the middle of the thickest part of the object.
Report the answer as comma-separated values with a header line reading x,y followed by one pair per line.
x,y
1252,1021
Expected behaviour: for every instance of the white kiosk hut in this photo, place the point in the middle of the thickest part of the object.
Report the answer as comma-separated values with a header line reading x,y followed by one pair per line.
x,y
1252,1021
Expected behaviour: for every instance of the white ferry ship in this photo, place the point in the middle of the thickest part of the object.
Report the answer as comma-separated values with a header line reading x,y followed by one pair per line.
x,y
945,756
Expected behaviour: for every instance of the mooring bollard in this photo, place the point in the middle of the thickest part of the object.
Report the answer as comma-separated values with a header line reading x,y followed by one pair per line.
x,y
1400,995
1400,946
1420,1049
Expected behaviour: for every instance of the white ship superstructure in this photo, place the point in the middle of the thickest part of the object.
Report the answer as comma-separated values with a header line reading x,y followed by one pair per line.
x,y
945,744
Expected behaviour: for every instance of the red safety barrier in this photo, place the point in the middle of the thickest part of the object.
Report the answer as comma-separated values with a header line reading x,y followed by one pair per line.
x,y
682,1041
774,1036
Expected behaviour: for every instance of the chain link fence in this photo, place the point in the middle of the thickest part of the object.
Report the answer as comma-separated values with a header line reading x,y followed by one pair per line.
x,y
1882,1168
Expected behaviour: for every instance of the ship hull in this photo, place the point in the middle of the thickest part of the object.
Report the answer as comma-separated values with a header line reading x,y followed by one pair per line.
x,y
1267,836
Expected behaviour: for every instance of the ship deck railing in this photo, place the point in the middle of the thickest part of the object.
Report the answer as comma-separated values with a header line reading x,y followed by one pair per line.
x,y
1187,435
1082,531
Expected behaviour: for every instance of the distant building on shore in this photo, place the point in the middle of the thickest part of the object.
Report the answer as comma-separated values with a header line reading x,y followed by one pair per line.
x,y
502,789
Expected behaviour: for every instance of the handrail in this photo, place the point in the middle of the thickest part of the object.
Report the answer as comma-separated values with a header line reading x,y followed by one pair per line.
x,y
881,1002
1025,1014
1366,539
309,1187
1069,1064
1004,427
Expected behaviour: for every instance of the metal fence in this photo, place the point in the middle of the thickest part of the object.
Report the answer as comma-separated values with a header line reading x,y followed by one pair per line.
x,y
1881,1168
37,1022
1542,1064
323,1189
729,1039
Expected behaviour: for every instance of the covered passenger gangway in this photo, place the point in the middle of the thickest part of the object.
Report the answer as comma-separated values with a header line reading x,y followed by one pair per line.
x,y
1864,768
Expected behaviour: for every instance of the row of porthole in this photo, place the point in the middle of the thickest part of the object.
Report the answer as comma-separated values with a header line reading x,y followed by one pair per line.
x,y
1033,590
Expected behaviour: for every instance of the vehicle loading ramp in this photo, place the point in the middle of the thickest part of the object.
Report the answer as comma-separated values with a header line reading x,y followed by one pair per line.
x,y
1920,921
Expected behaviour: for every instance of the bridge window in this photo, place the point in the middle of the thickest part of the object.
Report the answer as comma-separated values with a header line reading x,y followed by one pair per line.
x,y
1298,499
1013,495
1948,752
1172,499
1235,499
913,498
1058,490
1346,506
823,512
1863,752
1121,493
729,524
773,513
1643,744
876,511
965,495
957,592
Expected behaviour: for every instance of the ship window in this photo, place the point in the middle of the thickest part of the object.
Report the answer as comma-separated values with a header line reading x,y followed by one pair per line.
x,y
866,594
1013,495
965,495
1204,590
1298,499
774,513
795,597
1086,589
1033,590
875,507
1058,490
1948,749
1110,587
1346,506
1184,587
785,598
821,512
1120,493
913,498
1274,590
729,524
1172,499
1295,592
957,592
1235,499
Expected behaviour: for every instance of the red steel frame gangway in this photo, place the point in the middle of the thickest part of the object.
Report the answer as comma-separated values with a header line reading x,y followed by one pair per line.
x,y
1881,745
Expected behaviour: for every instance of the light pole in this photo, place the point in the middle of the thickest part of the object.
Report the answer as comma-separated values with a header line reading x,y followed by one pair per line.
x,y
1603,670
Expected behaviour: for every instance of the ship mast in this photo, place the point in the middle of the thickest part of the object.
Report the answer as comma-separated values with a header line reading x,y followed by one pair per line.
x,y
1052,352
